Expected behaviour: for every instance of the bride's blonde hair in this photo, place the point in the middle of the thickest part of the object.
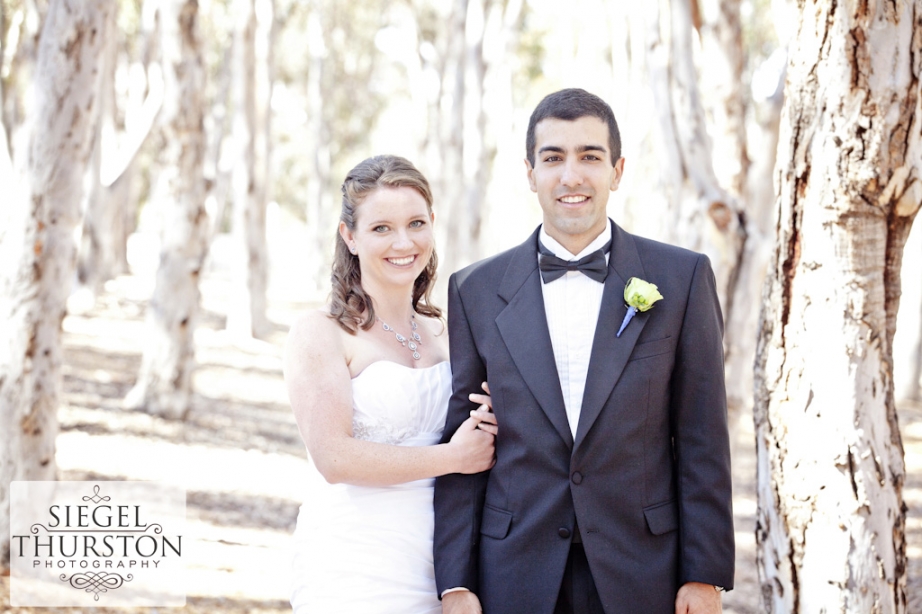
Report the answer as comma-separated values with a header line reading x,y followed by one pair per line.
x,y
350,305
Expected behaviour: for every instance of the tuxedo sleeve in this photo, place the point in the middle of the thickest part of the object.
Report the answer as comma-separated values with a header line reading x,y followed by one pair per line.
x,y
459,497
701,439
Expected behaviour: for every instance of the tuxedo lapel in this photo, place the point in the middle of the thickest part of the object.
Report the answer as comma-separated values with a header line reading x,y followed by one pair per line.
x,y
523,327
610,353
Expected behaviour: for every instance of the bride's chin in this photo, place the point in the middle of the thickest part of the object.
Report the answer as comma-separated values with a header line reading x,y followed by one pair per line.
x,y
398,278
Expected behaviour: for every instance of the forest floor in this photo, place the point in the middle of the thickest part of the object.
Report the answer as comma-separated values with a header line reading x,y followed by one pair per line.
x,y
240,458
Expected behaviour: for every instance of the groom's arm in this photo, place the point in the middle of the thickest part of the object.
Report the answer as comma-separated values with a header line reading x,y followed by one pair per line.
x,y
702,450
459,498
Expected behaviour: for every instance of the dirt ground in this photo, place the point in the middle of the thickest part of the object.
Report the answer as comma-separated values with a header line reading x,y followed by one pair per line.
x,y
239,456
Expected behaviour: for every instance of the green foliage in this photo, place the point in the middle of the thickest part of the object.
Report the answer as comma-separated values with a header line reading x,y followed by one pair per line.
x,y
760,38
530,53
350,108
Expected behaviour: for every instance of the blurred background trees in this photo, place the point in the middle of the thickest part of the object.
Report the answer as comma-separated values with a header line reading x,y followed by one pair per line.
x,y
221,125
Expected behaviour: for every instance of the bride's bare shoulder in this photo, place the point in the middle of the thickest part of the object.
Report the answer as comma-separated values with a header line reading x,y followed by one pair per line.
x,y
315,328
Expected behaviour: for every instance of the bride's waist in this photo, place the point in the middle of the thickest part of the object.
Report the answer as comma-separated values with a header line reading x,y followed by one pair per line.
x,y
335,504
318,489
401,439
354,490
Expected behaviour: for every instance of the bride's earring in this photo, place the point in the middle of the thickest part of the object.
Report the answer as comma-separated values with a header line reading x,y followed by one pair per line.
x,y
353,250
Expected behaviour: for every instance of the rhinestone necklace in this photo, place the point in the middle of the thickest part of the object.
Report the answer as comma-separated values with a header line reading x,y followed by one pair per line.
x,y
412,343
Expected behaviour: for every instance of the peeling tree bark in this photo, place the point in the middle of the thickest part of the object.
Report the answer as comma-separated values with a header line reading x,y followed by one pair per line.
x,y
831,517
164,383
37,252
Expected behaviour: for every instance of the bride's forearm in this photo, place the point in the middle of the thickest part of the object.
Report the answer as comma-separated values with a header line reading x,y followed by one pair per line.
x,y
366,463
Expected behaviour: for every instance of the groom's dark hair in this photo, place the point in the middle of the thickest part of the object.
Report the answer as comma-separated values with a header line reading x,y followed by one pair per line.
x,y
570,105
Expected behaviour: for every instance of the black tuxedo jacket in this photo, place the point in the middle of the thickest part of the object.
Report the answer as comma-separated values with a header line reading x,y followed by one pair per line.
x,y
647,478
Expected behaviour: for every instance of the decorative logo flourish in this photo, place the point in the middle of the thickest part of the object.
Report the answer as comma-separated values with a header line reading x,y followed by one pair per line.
x,y
96,498
96,582
639,296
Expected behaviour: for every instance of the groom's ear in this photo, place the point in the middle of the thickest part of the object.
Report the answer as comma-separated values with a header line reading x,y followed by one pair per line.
x,y
617,173
530,171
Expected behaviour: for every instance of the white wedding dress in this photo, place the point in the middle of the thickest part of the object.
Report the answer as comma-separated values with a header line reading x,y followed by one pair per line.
x,y
368,550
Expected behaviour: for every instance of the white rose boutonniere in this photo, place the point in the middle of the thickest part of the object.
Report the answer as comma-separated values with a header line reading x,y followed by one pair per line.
x,y
639,295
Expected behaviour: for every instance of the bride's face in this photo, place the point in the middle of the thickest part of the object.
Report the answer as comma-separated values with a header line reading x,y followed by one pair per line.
x,y
393,236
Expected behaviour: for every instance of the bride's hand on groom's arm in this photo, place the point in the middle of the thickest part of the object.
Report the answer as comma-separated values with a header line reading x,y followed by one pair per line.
x,y
474,439
473,447
484,413
461,602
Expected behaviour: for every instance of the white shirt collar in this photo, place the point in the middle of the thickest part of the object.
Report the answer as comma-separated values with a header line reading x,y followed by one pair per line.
x,y
563,253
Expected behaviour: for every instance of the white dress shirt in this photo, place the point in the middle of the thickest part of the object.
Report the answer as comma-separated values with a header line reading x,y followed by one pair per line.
x,y
572,305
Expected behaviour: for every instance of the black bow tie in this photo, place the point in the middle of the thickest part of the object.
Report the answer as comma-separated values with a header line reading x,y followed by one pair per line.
x,y
592,266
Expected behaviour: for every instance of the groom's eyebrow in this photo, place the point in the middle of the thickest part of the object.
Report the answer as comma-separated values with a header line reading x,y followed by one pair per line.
x,y
553,148
580,149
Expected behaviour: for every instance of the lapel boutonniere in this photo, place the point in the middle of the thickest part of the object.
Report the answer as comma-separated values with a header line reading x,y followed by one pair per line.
x,y
639,296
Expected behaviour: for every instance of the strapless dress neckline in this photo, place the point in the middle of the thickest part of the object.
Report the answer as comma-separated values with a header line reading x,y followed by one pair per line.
x,y
399,365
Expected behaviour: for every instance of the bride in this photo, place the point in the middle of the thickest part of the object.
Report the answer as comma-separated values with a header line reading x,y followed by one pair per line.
x,y
369,381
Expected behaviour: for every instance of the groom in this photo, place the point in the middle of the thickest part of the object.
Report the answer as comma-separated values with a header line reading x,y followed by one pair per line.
x,y
611,489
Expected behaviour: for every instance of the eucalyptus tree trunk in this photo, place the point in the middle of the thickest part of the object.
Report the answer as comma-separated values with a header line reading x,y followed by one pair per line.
x,y
103,253
452,183
37,248
676,196
742,323
267,30
499,134
432,57
19,61
478,149
831,516
218,170
164,383
318,163
112,200
247,308
721,80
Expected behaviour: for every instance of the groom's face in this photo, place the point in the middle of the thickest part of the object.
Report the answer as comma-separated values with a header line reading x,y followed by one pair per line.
x,y
572,176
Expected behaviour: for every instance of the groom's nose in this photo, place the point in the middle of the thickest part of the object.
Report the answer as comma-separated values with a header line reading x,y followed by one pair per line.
x,y
570,175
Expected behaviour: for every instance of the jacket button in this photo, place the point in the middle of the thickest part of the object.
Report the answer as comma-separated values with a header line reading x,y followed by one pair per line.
x,y
564,532
577,478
